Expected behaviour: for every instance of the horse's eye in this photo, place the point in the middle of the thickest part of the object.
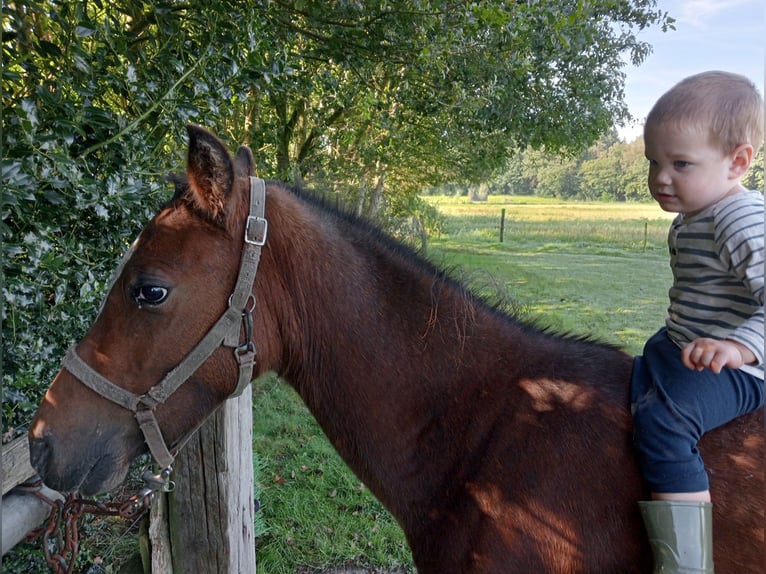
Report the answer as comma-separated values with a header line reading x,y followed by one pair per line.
x,y
149,295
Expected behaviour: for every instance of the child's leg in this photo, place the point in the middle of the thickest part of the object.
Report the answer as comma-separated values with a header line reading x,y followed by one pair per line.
x,y
700,496
673,407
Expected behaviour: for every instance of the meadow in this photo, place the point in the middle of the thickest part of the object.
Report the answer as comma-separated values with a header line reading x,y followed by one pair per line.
x,y
595,269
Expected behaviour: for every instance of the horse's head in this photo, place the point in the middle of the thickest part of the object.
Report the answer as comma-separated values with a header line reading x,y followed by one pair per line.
x,y
180,283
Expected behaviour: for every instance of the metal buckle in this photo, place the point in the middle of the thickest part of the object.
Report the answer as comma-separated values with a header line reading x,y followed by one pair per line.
x,y
160,481
256,227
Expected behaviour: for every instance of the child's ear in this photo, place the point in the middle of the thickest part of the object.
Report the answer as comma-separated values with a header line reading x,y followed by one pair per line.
x,y
740,160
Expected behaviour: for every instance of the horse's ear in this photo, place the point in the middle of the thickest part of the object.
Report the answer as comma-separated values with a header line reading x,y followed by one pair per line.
x,y
244,162
210,173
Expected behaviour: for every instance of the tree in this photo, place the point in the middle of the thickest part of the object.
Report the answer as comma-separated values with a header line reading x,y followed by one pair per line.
x,y
613,171
379,98
553,176
415,94
600,177
634,172
754,177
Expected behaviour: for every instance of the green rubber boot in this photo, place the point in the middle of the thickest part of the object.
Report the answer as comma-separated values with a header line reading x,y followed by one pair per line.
x,y
681,536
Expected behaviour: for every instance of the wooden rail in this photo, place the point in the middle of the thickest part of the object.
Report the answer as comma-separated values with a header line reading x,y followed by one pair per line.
x,y
21,511
16,467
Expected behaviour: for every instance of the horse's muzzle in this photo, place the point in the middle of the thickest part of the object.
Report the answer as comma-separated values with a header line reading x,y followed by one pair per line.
x,y
91,472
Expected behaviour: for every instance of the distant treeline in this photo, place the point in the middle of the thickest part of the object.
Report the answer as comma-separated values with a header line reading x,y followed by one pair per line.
x,y
611,170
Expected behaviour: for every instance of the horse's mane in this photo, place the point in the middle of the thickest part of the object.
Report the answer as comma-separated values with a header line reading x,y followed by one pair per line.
x,y
466,285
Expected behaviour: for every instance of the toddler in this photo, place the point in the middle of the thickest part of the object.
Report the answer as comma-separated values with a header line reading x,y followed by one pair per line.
x,y
705,367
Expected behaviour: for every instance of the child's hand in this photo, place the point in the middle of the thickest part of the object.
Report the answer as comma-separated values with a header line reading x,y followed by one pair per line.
x,y
715,354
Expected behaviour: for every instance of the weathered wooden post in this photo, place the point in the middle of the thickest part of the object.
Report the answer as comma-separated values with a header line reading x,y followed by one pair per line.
x,y
502,224
207,523
646,233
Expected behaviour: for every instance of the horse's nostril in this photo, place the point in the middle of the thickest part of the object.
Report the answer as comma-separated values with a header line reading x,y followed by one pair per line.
x,y
39,454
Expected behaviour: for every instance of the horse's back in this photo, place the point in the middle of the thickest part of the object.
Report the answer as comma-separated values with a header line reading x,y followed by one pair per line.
x,y
734,456
542,499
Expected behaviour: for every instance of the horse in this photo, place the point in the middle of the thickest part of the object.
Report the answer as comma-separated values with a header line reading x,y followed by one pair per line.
x,y
498,445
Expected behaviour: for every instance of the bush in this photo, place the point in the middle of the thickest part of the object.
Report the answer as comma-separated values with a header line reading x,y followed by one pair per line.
x,y
66,221
96,97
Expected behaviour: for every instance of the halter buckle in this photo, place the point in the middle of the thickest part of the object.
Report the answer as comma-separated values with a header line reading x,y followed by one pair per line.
x,y
256,229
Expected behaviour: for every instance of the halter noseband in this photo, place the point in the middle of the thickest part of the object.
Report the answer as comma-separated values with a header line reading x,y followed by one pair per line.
x,y
224,333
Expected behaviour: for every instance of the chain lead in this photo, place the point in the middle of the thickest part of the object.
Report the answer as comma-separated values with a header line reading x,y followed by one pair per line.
x,y
60,535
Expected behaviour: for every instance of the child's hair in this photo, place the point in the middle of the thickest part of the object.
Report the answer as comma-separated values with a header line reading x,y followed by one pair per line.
x,y
727,105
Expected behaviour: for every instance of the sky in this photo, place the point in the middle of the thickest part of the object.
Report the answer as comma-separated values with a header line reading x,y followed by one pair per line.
x,y
725,35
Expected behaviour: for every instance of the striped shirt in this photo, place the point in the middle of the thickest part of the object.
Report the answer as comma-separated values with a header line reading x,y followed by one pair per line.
x,y
718,275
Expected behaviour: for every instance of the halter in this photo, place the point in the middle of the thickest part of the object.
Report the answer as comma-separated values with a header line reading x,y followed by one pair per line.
x,y
224,333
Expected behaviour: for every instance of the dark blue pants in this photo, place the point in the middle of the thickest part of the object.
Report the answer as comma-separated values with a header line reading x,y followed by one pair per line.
x,y
672,408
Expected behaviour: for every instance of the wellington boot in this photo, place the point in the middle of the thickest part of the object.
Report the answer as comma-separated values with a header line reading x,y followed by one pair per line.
x,y
681,536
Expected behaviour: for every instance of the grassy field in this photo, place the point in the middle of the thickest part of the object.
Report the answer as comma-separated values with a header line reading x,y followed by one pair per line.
x,y
596,269
590,268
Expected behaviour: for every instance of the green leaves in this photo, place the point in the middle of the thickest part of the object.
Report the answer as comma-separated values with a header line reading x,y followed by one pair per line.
x,y
427,92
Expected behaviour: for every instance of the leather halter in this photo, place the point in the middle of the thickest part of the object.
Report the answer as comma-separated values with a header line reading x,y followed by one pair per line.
x,y
224,333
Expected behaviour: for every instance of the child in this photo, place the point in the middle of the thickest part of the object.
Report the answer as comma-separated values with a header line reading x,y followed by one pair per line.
x,y
705,367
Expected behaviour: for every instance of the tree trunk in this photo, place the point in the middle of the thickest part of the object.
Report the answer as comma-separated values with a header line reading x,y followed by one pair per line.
x,y
361,197
376,197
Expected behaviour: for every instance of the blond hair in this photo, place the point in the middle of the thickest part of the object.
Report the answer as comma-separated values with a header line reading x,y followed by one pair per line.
x,y
727,105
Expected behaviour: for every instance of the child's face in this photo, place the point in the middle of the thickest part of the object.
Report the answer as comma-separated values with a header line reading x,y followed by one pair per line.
x,y
686,172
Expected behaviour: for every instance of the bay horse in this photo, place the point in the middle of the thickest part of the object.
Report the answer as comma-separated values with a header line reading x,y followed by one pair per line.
x,y
498,446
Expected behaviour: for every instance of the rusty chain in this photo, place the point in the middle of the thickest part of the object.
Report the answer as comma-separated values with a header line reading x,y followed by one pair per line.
x,y
60,535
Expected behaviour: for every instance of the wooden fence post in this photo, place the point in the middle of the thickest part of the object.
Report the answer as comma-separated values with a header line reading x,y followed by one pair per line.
x,y
502,224
207,523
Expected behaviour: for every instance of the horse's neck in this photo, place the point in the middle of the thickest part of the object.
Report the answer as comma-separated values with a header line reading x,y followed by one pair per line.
x,y
416,384
372,344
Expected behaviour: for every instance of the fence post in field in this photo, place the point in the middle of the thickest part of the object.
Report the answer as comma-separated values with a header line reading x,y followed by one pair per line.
x,y
207,523
502,224
646,233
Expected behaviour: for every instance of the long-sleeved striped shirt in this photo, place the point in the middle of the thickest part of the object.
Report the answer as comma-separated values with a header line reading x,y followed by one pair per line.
x,y
718,275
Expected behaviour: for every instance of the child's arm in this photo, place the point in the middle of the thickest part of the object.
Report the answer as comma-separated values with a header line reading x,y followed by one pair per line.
x,y
715,354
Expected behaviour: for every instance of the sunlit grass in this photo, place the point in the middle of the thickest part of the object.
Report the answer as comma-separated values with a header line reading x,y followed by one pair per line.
x,y
315,511
617,299
545,224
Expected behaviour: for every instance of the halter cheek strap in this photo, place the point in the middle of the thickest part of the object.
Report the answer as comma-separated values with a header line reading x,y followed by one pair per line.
x,y
226,332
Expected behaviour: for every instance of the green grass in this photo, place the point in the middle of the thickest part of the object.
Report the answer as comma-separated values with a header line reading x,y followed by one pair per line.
x,y
538,224
591,269
617,299
315,511
595,269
